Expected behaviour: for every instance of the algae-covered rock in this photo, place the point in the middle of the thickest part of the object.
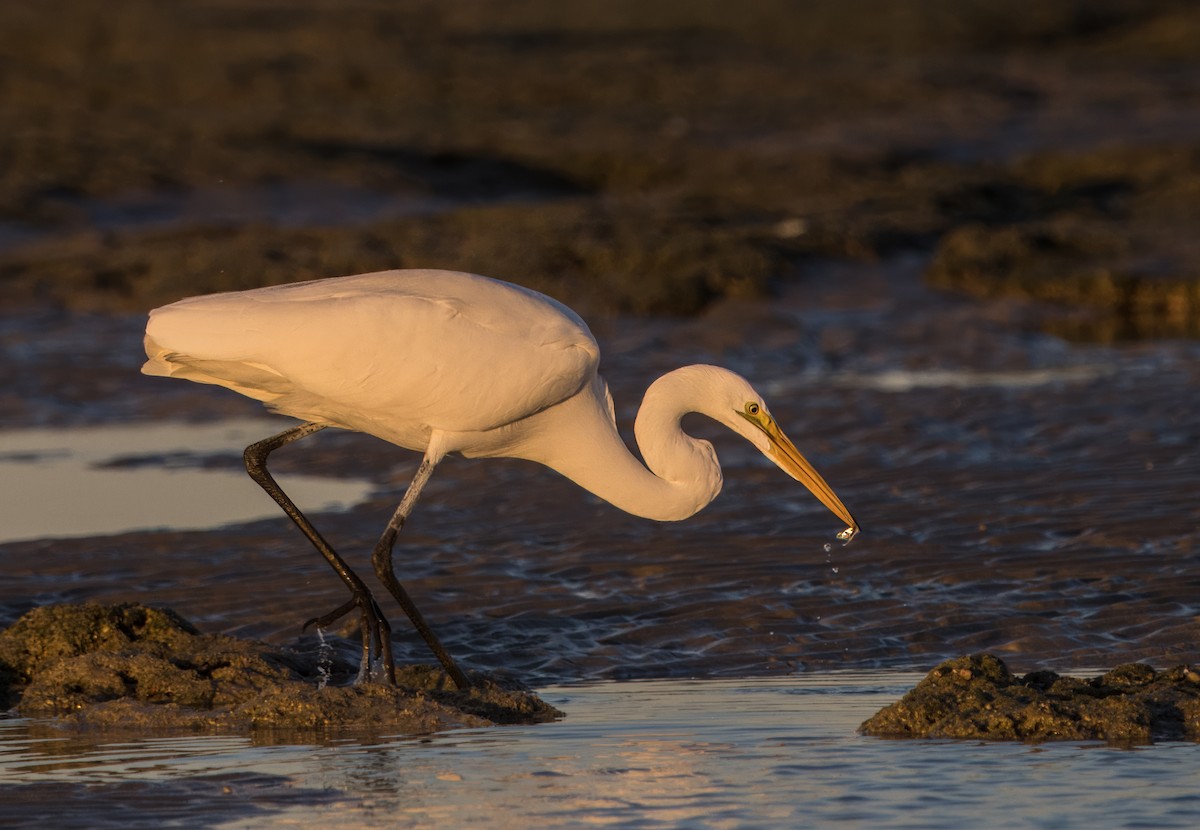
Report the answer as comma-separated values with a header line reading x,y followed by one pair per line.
x,y
132,666
1108,232
1089,265
978,697
192,147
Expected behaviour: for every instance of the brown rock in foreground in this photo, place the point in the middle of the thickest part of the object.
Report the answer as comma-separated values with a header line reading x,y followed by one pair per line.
x,y
977,697
133,666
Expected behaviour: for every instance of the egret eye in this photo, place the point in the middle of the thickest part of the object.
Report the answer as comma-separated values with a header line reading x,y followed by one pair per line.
x,y
753,409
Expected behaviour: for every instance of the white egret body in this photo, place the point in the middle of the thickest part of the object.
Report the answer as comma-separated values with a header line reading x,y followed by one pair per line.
x,y
442,362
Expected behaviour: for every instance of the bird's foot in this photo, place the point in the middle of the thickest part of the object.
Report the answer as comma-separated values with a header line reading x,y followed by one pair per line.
x,y
377,664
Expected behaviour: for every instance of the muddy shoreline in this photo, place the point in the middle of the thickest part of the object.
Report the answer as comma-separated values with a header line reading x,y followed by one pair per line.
x,y
646,159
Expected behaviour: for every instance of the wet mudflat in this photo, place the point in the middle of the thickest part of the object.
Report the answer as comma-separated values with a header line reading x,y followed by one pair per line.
x,y
956,252
650,157
1021,495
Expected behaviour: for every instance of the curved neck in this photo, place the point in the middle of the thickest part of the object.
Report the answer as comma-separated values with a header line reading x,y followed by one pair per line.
x,y
683,475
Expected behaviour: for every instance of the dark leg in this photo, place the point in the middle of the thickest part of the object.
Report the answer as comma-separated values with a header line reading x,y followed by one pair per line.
x,y
384,569
326,620
376,631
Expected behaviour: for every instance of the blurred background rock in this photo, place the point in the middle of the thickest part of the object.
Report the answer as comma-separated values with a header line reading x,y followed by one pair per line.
x,y
644,156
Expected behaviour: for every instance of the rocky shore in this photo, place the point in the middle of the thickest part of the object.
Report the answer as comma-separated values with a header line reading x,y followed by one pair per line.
x,y
978,698
130,666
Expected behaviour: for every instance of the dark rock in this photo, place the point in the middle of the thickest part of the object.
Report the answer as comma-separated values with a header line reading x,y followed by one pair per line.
x,y
977,697
133,666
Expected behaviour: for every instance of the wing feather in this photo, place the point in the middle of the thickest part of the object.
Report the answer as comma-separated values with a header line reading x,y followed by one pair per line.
x,y
390,351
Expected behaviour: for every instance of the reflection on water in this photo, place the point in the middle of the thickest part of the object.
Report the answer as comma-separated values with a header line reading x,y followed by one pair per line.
x,y
906,380
88,481
714,753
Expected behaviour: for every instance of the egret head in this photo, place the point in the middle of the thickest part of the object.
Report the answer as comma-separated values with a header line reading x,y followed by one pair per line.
x,y
748,416
727,398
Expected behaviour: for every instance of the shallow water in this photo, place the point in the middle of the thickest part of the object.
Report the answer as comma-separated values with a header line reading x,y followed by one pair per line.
x,y
697,753
88,481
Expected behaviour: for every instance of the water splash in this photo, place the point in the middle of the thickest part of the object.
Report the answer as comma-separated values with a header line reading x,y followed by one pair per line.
x,y
324,659
378,670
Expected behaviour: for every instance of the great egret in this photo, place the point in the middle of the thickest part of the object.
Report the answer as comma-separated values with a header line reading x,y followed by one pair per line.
x,y
442,362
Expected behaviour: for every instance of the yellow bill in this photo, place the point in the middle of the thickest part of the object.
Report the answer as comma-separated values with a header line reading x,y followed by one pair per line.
x,y
789,459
